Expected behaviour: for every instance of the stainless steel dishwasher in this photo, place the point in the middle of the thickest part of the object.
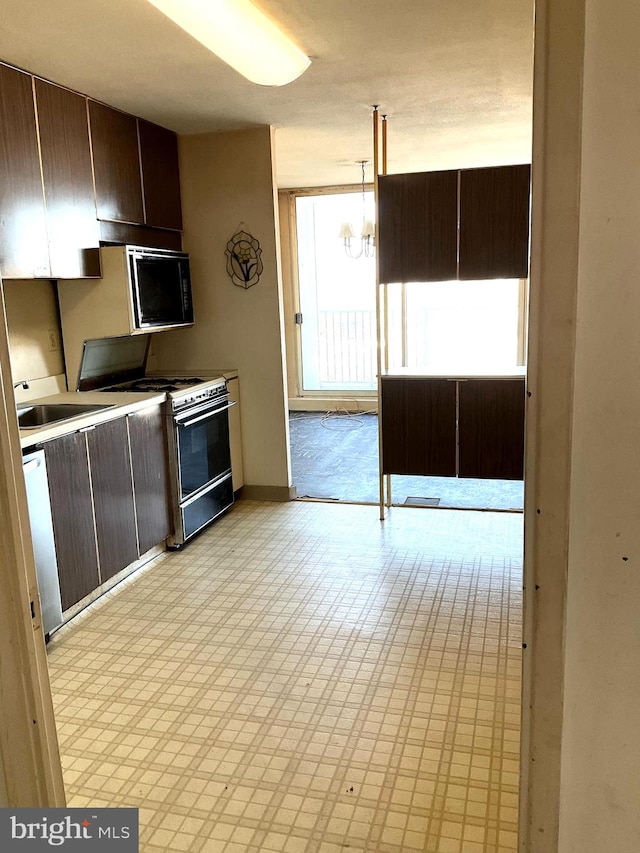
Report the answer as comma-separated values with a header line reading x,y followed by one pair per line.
x,y
44,549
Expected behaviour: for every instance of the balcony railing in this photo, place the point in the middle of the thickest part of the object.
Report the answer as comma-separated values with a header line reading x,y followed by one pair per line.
x,y
347,349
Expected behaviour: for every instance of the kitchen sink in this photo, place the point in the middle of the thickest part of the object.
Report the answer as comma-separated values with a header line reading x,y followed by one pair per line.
x,y
30,417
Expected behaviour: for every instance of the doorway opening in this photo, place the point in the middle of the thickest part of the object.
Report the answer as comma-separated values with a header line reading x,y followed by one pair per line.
x,y
433,328
337,317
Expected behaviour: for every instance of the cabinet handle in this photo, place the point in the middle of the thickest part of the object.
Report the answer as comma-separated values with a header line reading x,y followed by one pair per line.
x,y
31,465
210,414
87,428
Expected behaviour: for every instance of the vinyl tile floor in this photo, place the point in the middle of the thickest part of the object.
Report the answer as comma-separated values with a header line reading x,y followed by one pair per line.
x,y
302,678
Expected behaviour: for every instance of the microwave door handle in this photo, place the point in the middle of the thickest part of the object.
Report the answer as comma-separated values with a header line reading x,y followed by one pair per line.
x,y
135,292
210,414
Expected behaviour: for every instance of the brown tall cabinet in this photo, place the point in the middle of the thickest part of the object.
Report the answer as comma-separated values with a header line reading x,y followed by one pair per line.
x,y
68,181
23,231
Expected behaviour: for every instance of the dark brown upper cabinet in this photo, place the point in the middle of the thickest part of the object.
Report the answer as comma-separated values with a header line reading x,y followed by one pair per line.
x,y
140,235
116,164
417,226
23,233
68,181
75,172
160,177
494,222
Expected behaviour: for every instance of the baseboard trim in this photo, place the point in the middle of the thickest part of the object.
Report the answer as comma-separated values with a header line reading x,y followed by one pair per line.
x,y
329,404
106,587
269,493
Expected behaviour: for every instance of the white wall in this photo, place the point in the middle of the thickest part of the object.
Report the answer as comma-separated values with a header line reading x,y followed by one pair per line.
x,y
600,782
34,337
581,725
227,178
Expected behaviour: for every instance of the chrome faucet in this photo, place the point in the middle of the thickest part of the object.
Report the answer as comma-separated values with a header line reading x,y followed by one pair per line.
x,y
23,383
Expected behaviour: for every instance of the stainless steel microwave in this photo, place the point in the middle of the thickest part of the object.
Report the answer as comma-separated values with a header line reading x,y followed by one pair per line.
x,y
160,283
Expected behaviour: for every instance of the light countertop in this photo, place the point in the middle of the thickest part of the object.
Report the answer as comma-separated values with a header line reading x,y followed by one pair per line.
x,y
409,373
120,403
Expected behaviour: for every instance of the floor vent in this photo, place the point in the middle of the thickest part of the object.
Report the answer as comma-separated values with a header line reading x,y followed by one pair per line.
x,y
421,501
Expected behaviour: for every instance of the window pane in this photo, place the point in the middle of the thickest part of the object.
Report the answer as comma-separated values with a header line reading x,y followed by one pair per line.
x,y
460,325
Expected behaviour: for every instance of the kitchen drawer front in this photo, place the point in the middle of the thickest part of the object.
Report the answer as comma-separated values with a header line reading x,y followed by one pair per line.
x,y
207,506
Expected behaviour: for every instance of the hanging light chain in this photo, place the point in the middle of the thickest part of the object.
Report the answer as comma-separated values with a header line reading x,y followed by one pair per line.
x,y
367,232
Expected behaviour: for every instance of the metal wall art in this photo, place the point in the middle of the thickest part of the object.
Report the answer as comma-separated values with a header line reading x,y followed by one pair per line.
x,y
244,258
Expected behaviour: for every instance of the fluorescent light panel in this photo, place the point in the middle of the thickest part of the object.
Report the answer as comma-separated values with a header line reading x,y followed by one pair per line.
x,y
241,35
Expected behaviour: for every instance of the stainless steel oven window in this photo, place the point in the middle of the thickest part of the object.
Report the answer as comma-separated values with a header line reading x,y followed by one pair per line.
x,y
202,444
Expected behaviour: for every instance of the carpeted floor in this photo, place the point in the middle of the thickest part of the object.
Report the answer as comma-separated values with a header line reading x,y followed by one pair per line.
x,y
336,458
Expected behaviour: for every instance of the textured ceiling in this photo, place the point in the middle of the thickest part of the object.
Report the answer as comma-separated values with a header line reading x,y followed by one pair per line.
x,y
454,77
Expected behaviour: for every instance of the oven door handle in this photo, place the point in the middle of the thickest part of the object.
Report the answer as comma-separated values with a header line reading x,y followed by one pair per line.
x,y
210,414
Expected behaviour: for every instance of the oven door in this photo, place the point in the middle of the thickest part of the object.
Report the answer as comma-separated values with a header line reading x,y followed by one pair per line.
x,y
203,471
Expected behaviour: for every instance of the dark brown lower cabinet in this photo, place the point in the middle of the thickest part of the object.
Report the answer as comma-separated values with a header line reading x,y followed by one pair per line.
x,y
113,496
72,512
491,428
419,426
425,419
100,526
150,476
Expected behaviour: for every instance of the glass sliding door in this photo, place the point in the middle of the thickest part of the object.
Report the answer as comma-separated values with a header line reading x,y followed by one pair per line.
x,y
337,296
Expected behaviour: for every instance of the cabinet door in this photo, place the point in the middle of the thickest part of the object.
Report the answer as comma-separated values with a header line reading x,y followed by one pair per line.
x,y
160,176
23,235
68,182
419,427
417,226
494,222
116,164
491,428
150,476
72,514
112,496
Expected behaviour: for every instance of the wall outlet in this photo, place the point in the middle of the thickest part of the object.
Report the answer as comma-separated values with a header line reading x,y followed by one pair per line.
x,y
52,340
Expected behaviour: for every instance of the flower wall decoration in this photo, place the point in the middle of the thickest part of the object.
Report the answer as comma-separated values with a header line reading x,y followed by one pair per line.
x,y
244,259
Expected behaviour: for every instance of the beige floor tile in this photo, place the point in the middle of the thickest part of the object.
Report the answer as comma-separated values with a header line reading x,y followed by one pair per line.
x,y
301,678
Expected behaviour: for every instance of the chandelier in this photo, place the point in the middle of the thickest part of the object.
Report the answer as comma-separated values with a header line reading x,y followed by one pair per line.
x,y
366,246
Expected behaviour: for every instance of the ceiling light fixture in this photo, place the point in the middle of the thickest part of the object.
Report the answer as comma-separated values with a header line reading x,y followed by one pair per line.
x,y
367,232
241,35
